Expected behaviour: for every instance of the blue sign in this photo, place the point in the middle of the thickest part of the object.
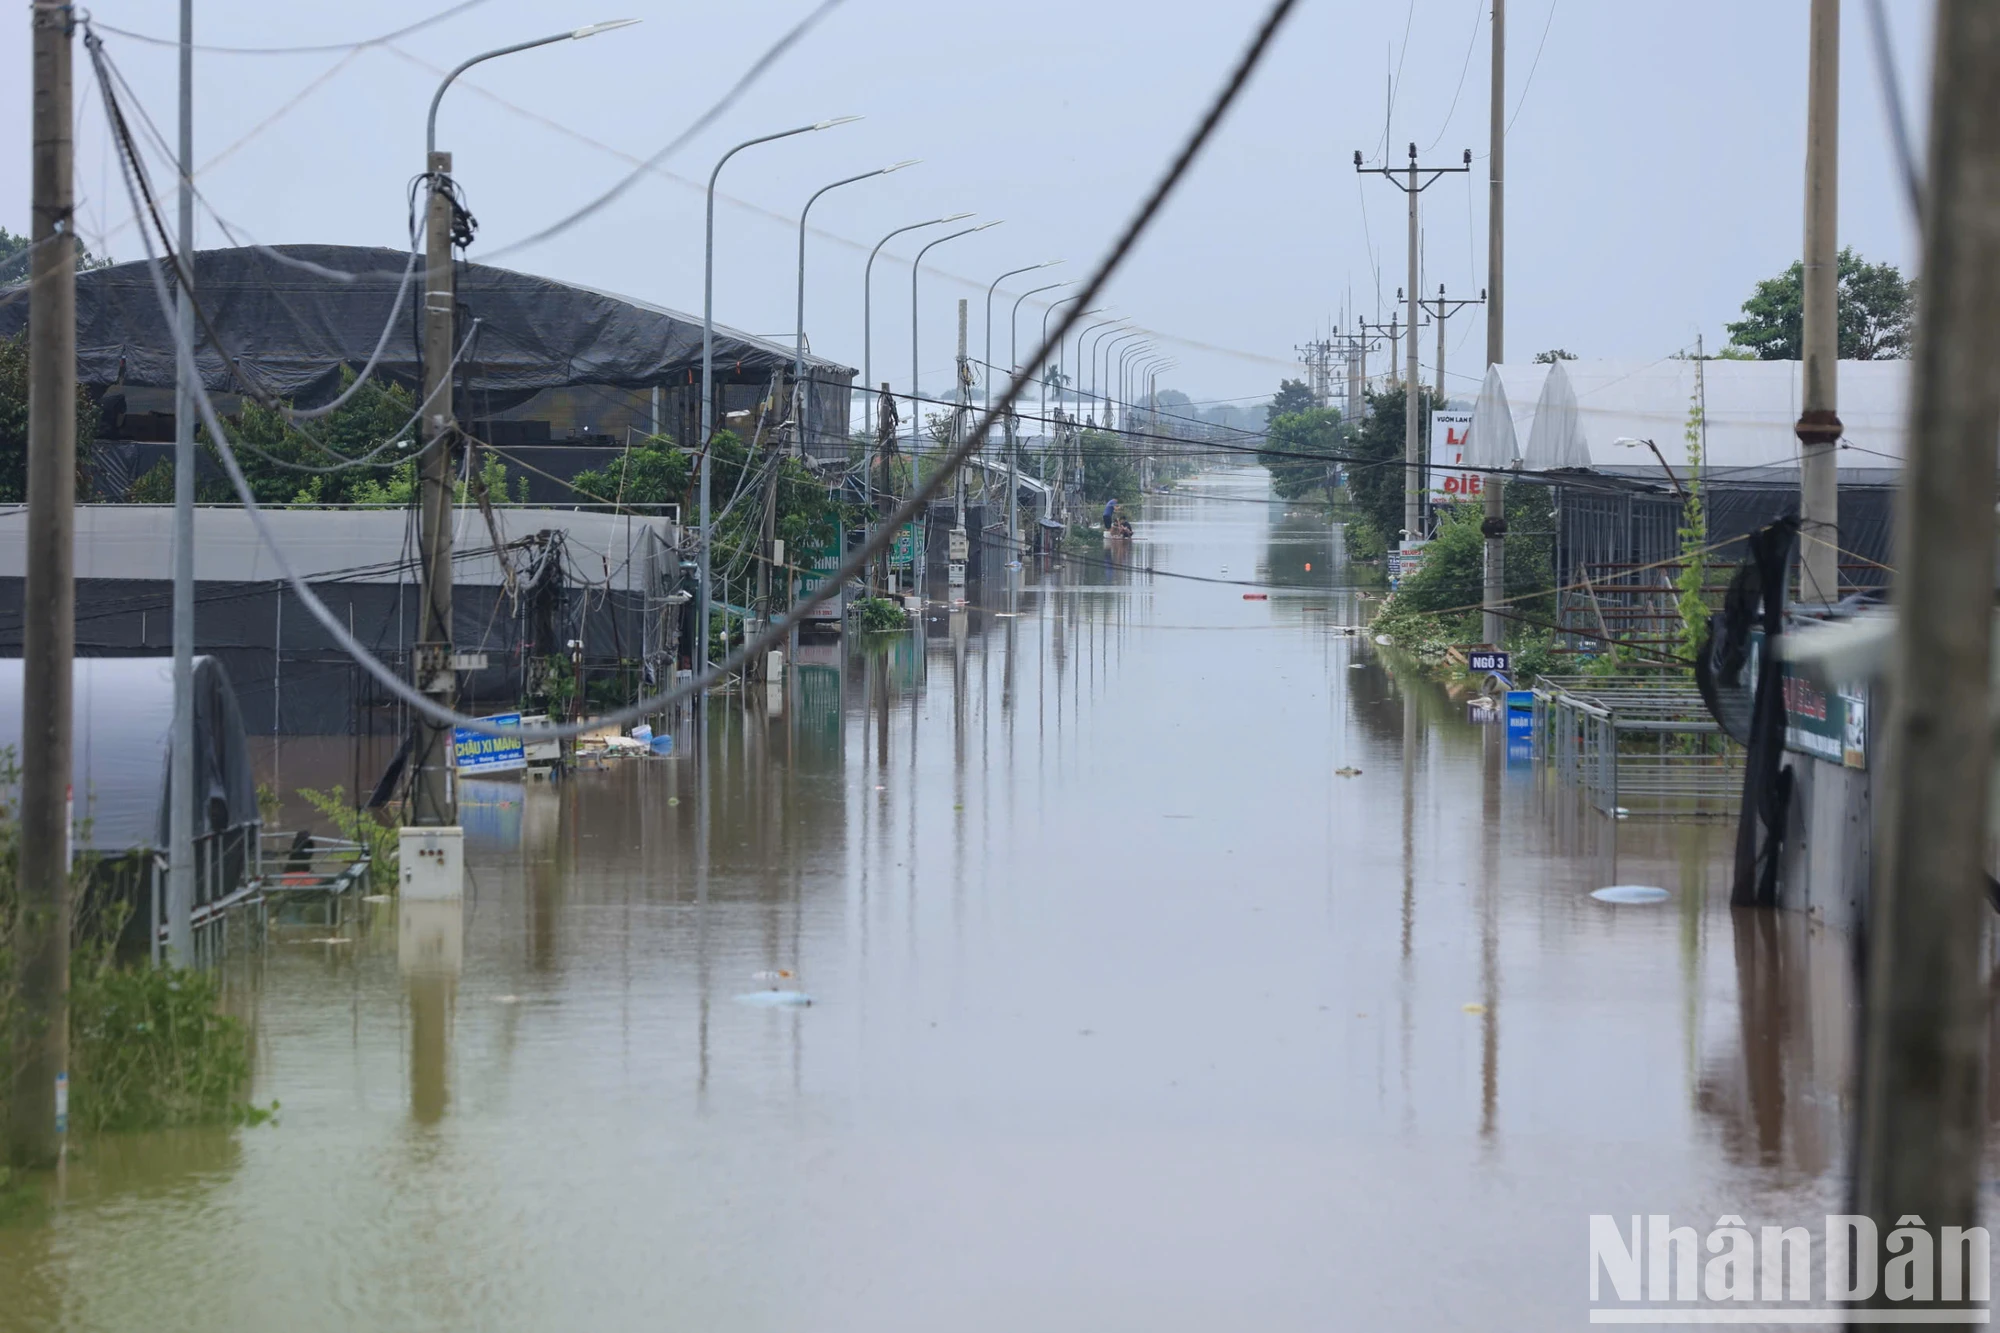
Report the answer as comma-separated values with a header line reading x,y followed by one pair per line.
x,y
477,752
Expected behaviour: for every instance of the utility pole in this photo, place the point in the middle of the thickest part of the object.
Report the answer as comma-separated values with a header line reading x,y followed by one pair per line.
x,y
961,404
1413,181
1392,332
1441,310
180,783
774,452
1493,524
1818,427
1924,985
38,1100
885,499
432,801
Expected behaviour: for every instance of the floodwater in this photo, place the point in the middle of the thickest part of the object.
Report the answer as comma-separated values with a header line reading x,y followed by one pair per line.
x,y
1130,1010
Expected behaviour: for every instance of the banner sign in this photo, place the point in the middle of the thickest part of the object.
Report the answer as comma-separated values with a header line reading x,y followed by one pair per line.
x,y
1825,720
477,752
1448,482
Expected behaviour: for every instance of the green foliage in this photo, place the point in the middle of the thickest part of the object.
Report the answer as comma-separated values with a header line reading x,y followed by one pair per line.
x,y
645,479
14,258
1553,355
366,827
378,412
1108,470
1293,396
14,423
150,1048
1376,476
1694,537
875,615
1314,431
1876,305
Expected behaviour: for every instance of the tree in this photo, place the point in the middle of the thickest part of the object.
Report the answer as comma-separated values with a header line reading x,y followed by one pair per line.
x,y
14,425
1376,477
1108,471
1316,432
1876,305
1292,396
1553,355
14,258
380,412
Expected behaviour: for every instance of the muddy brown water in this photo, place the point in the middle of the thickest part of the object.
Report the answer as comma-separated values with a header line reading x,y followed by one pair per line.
x,y
1129,1011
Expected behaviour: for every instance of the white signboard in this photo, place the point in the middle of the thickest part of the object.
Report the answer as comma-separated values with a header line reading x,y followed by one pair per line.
x,y
1449,483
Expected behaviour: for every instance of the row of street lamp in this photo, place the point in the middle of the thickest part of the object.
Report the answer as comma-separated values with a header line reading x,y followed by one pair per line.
x,y
867,337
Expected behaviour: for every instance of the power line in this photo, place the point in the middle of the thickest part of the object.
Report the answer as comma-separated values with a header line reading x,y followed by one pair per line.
x,y
325,49
1127,239
1529,82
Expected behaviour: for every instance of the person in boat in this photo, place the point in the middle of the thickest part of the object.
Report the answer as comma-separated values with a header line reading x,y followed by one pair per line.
x,y
1111,514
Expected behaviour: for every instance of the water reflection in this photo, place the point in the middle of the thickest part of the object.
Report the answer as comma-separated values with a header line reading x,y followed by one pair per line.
x,y
1160,943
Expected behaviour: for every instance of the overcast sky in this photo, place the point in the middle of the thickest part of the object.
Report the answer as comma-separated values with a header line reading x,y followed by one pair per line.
x,y
1655,165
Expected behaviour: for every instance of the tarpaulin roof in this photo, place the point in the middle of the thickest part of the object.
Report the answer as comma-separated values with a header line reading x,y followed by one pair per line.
x,y
293,315
123,713
1749,409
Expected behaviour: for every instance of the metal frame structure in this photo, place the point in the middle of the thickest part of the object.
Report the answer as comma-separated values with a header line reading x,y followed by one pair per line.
x,y
1637,746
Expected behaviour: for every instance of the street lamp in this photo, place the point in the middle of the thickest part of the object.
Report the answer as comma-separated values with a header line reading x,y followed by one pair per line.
x,y
867,313
1014,369
574,35
431,800
702,607
1042,371
1105,343
916,408
799,345
1100,324
1124,400
1030,268
1630,443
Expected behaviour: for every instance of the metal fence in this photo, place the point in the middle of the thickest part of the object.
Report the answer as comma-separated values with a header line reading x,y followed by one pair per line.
x,y
1637,746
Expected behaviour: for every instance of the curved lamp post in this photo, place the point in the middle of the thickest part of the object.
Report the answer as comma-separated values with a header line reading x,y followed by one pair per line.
x,y
1124,398
704,600
916,413
1087,332
1014,369
1100,384
799,344
867,313
574,35
1042,370
987,377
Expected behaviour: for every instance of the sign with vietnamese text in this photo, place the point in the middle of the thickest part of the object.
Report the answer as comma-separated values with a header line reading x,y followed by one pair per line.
x,y
478,752
903,547
1828,721
1449,482
1486,659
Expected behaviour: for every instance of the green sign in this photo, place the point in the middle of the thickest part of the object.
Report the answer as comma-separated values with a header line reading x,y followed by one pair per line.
x,y
903,546
819,565
1826,720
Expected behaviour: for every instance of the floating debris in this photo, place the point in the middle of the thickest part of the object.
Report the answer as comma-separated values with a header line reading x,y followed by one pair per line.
x,y
1382,639
506,999
780,974
379,898
1473,1007
1349,772
1630,893
1256,596
777,999
328,939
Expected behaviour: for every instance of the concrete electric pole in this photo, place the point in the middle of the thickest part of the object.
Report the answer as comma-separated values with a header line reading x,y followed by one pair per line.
x,y
1494,523
1413,181
1923,1081
180,785
1819,421
432,800
1441,310
37,1103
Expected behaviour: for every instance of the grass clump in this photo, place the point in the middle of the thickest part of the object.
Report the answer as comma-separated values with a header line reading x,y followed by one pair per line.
x,y
879,615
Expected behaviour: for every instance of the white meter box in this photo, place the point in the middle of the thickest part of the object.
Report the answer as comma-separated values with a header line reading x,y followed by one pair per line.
x,y
432,864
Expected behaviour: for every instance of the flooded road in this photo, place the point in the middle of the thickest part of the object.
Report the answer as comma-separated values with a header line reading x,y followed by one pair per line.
x,y
1129,1010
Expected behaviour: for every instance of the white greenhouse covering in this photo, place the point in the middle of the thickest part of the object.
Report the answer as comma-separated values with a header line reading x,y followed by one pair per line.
x,y
1583,408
